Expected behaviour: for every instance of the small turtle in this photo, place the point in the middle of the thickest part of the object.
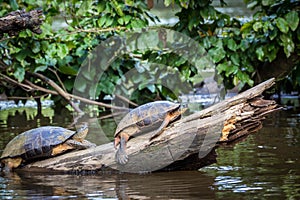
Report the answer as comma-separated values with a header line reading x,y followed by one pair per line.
x,y
42,142
145,118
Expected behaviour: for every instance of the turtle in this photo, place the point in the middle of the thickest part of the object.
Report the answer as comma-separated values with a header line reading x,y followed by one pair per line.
x,y
145,118
42,142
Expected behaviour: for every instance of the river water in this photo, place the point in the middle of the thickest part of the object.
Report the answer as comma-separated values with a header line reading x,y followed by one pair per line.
x,y
265,165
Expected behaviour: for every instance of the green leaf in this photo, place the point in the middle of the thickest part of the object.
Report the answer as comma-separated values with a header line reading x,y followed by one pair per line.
x,y
204,13
62,50
109,21
151,87
257,26
260,53
184,3
222,67
217,54
268,2
245,78
14,5
101,21
235,59
21,55
19,74
246,27
137,24
231,44
68,70
40,68
127,18
288,44
272,54
36,47
121,21
244,44
293,19
273,34
233,69
252,4
167,2
84,7
282,25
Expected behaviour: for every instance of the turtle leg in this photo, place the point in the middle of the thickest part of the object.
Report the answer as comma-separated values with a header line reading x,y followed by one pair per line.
x,y
162,126
121,155
11,163
61,148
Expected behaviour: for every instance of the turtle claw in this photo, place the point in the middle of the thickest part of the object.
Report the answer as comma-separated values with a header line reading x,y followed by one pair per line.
x,y
121,157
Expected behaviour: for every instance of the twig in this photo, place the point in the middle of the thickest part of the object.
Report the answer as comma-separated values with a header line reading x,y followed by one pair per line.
x,y
110,115
92,30
36,87
28,98
50,82
58,89
73,96
58,78
126,100
25,87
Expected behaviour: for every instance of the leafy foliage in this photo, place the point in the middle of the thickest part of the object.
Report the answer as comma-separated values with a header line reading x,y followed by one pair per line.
x,y
237,47
240,47
84,25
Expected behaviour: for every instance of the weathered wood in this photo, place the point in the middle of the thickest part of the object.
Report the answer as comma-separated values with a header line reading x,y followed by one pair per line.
x,y
19,20
186,144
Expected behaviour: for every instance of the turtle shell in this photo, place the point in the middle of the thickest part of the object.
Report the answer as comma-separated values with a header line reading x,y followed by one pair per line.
x,y
36,143
147,116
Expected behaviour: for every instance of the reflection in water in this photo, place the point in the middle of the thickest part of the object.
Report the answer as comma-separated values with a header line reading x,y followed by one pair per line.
x,y
172,185
264,165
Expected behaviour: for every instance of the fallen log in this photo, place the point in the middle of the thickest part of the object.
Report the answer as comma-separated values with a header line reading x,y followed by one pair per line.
x,y
18,20
186,144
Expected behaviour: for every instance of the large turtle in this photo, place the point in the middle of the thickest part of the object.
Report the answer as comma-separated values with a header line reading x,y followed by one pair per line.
x,y
145,118
42,142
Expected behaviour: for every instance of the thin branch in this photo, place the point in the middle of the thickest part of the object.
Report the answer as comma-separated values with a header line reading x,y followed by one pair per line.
x,y
126,100
27,98
36,87
92,102
92,30
58,78
14,82
58,89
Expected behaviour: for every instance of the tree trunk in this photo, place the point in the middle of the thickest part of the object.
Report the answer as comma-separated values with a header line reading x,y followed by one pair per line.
x,y
19,20
186,144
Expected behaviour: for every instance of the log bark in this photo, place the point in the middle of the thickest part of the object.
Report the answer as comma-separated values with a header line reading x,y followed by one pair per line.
x,y
19,20
186,144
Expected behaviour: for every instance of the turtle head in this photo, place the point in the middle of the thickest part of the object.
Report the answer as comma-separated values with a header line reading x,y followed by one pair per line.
x,y
176,114
81,132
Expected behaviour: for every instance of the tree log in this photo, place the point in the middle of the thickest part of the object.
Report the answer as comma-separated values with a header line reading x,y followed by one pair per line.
x,y
19,20
186,144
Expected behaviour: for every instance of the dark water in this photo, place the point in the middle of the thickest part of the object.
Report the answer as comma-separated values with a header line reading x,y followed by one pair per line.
x,y
263,166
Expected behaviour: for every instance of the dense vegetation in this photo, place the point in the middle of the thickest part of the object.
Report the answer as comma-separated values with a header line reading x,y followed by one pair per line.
x,y
244,51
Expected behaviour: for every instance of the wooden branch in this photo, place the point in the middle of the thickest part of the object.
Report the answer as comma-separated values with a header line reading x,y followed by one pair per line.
x,y
20,20
66,95
14,82
183,145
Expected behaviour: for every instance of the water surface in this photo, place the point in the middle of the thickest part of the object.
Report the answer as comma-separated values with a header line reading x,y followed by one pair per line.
x,y
262,166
